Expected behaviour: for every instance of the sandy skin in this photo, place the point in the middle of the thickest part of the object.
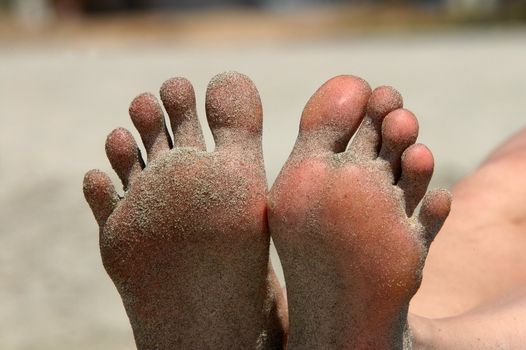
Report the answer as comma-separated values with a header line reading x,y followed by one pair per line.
x,y
344,221
187,246
351,244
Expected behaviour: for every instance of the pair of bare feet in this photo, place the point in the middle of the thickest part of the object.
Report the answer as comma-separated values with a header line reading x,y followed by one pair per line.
x,y
187,246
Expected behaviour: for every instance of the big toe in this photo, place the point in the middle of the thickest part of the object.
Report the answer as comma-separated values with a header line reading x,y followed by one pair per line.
x,y
234,111
332,115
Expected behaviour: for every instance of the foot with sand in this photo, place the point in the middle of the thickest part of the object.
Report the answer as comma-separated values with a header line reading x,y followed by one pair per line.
x,y
344,219
187,246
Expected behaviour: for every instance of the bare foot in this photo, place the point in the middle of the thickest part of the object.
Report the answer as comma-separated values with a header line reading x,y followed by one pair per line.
x,y
344,222
187,246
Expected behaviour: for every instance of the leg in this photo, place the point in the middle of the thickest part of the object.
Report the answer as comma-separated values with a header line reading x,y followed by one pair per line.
x,y
498,324
187,246
474,285
477,253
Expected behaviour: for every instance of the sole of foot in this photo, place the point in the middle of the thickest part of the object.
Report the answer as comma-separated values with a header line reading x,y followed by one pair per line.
x,y
344,222
187,246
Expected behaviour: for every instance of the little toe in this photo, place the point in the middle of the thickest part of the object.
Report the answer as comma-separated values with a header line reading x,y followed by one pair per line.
x,y
147,116
100,195
399,131
124,155
367,142
417,169
332,115
234,112
178,98
434,211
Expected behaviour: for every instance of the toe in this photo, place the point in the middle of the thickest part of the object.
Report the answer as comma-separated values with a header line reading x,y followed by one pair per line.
x,y
100,195
399,131
234,112
366,144
434,211
147,116
417,169
178,98
124,155
332,115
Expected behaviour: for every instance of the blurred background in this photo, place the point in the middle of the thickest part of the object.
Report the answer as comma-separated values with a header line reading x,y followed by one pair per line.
x,y
69,68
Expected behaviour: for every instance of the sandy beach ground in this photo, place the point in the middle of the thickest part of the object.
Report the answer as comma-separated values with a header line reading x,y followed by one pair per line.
x,y
58,103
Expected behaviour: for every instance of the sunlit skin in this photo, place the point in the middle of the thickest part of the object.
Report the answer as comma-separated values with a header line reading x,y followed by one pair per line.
x,y
343,219
473,294
188,246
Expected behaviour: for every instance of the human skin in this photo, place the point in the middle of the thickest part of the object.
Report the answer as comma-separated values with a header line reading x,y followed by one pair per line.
x,y
473,294
344,222
188,246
